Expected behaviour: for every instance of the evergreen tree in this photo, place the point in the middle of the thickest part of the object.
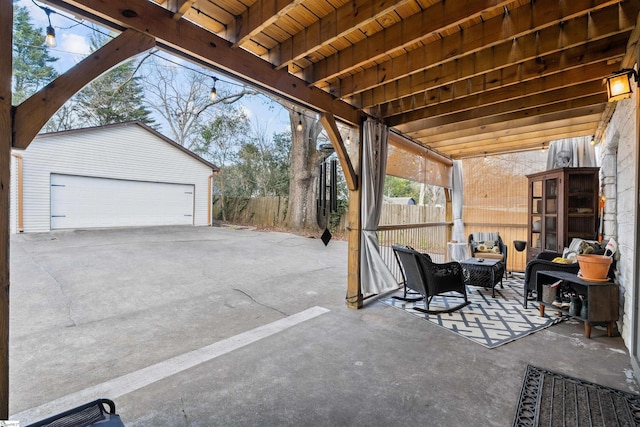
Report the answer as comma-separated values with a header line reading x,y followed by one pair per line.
x,y
32,63
116,96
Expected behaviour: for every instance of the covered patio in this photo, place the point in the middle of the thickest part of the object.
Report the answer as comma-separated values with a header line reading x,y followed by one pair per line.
x,y
443,80
189,347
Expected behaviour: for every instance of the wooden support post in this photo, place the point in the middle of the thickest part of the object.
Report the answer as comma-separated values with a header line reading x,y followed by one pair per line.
x,y
351,166
354,236
6,27
635,272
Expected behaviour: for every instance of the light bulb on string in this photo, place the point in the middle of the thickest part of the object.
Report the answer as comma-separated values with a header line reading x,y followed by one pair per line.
x,y
50,38
299,127
214,92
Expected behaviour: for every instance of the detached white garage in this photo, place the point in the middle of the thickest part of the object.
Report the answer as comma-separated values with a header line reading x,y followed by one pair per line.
x,y
120,175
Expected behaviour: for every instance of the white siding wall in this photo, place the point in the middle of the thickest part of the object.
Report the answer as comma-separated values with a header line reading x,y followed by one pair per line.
x,y
124,152
13,182
620,137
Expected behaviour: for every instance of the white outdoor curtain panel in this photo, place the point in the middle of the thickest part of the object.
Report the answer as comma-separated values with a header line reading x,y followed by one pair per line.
x,y
456,203
375,275
571,152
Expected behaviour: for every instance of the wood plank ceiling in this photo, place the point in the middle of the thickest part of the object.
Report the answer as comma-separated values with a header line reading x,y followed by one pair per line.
x,y
464,78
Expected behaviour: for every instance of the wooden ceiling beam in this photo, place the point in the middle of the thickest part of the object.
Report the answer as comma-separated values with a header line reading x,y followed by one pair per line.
x,y
505,128
501,101
545,41
402,35
196,43
180,7
501,93
33,113
490,147
259,16
327,29
520,22
488,116
510,133
498,123
602,51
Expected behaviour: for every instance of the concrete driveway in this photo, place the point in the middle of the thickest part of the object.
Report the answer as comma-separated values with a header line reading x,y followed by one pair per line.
x,y
206,326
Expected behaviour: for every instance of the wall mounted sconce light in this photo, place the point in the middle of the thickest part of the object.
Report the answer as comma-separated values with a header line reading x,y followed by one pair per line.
x,y
619,84
214,92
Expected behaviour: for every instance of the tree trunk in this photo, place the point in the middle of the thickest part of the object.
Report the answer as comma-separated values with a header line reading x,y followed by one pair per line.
x,y
303,172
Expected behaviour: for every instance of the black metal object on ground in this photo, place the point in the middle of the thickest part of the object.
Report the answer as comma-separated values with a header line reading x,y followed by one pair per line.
x,y
548,398
99,413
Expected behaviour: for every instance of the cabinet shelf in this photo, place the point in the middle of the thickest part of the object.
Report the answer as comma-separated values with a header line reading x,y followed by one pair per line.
x,y
581,194
565,203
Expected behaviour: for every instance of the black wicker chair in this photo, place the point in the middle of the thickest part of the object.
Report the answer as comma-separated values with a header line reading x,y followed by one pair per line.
x,y
427,278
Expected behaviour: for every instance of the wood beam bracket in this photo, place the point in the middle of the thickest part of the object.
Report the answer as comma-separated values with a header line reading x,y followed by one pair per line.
x,y
32,114
329,123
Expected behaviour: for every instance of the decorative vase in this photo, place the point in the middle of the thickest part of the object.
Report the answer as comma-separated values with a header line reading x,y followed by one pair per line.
x,y
576,306
584,311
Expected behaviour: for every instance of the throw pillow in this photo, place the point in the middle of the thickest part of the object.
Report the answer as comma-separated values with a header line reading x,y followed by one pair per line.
x,y
486,246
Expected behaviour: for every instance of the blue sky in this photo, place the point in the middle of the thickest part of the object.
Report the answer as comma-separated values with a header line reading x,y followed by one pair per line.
x,y
73,44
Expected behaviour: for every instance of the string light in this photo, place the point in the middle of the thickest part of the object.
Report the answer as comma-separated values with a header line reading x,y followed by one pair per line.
x,y
214,92
299,127
50,39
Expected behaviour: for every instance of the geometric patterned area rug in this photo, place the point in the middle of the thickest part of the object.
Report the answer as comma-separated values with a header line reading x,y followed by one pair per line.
x,y
488,321
551,399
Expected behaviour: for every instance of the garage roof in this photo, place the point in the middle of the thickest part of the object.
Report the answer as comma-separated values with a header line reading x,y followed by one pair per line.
x,y
143,126
464,78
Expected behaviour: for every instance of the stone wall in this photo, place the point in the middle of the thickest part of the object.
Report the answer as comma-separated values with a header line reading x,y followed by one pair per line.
x,y
618,181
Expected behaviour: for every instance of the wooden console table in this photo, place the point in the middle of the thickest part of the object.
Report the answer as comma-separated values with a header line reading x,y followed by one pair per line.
x,y
603,298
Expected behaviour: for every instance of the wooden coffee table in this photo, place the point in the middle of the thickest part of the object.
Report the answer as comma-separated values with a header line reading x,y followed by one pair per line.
x,y
483,272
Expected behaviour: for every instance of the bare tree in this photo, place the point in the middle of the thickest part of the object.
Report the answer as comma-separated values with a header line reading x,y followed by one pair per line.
x,y
182,97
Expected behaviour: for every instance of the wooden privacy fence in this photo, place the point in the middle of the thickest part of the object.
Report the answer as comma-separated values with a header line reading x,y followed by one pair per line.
x,y
258,211
411,214
270,211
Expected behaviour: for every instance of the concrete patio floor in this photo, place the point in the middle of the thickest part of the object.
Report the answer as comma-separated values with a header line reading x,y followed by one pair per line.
x,y
263,334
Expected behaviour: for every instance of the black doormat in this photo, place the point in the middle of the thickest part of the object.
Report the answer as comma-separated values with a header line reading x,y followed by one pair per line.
x,y
551,399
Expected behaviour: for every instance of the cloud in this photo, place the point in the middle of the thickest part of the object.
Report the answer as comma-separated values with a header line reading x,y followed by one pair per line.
x,y
247,111
74,43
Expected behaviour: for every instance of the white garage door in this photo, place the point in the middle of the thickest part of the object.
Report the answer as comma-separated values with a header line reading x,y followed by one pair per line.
x,y
87,202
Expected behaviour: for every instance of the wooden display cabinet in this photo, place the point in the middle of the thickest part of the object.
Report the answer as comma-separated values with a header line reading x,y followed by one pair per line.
x,y
563,205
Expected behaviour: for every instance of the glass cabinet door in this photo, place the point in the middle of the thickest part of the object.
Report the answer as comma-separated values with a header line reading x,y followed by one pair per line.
x,y
536,215
550,234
